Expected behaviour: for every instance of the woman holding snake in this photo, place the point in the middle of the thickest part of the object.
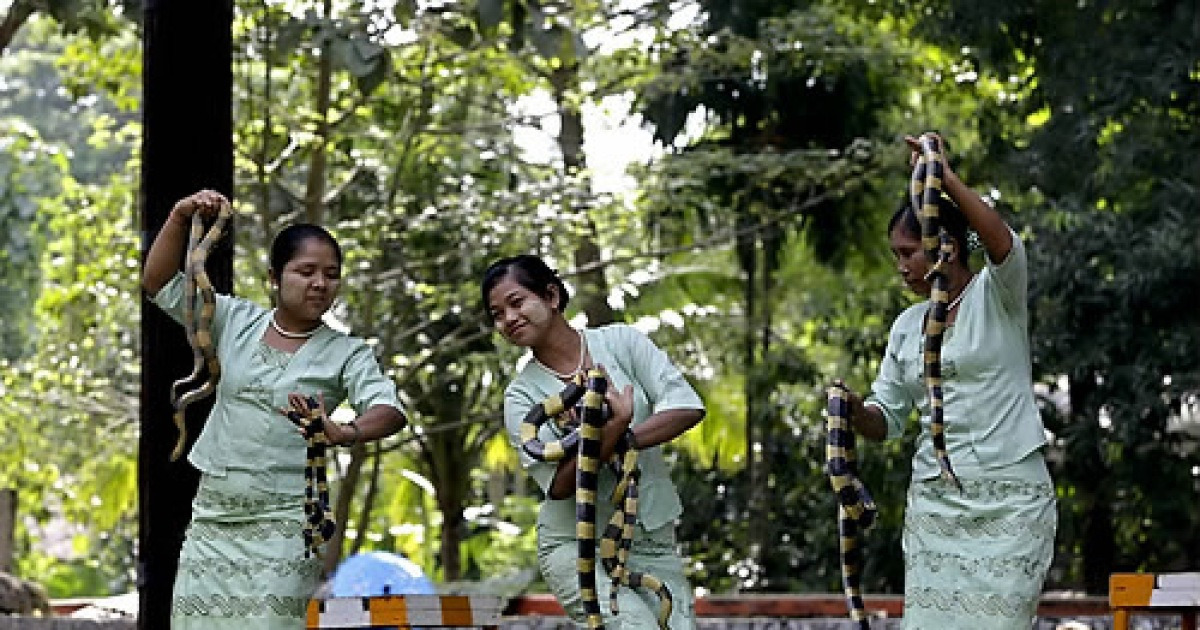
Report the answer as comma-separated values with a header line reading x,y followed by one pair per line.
x,y
650,403
244,563
975,557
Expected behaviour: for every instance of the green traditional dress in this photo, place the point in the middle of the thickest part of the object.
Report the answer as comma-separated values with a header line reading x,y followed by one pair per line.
x,y
630,358
975,559
242,566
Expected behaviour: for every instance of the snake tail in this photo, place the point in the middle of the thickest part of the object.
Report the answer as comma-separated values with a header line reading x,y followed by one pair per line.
x,y
856,509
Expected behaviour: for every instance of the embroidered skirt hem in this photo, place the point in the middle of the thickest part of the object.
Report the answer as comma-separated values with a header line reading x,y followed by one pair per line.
x,y
978,559
242,565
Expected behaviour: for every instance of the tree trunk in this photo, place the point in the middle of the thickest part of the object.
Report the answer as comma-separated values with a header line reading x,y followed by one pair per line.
x,y
453,527
341,508
314,193
593,287
1089,473
17,15
8,524
448,466
187,145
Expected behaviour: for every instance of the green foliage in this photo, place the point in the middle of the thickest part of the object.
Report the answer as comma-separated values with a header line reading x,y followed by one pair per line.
x,y
784,177
752,251
1094,131
27,171
70,385
95,19
71,402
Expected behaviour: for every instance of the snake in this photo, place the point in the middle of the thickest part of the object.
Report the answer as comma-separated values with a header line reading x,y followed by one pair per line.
x,y
856,508
318,526
926,189
199,307
584,441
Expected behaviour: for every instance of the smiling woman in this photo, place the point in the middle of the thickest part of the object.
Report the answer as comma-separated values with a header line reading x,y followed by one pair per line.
x,y
649,402
246,561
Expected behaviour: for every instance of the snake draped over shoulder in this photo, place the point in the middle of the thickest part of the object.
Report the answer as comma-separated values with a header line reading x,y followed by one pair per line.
x,y
584,441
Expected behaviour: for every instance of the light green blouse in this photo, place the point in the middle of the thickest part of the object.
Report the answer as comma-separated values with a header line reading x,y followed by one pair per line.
x,y
630,358
992,420
245,430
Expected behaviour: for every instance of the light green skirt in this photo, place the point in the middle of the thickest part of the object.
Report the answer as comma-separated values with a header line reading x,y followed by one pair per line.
x,y
977,559
652,552
242,566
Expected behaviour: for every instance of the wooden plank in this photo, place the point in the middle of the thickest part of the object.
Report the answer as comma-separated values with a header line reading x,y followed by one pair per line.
x,y
807,605
783,605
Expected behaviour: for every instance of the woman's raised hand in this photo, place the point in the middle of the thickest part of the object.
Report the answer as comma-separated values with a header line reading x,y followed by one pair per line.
x,y
207,202
915,151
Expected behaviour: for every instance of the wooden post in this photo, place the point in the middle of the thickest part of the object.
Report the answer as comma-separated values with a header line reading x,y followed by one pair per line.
x,y
8,525
187,145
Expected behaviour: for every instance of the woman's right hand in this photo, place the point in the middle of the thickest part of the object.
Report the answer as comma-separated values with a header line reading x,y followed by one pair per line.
x,y
207,202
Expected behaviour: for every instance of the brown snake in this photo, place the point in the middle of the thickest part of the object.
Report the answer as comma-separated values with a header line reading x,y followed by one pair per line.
x,y
198,312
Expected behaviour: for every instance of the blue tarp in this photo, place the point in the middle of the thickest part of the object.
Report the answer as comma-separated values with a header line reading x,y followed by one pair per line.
x,y
379,573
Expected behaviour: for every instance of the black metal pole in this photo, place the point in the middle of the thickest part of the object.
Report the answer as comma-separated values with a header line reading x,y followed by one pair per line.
x,y
187,145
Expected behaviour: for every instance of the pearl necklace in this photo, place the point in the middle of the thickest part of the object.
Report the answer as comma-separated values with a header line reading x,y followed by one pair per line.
x,y
569,375
960,295
291,335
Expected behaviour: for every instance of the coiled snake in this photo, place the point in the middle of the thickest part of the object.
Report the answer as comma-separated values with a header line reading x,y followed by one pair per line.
x,y
199,306
585,440
935,239
856,508
318,526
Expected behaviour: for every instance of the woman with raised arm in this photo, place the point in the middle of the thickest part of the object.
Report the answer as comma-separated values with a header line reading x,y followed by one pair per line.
x,y
245,564
975,558
651,403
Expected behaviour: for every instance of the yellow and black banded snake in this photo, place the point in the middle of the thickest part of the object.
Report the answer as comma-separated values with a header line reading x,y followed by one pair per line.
x,y
584,440
318,526
926,188
856,508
